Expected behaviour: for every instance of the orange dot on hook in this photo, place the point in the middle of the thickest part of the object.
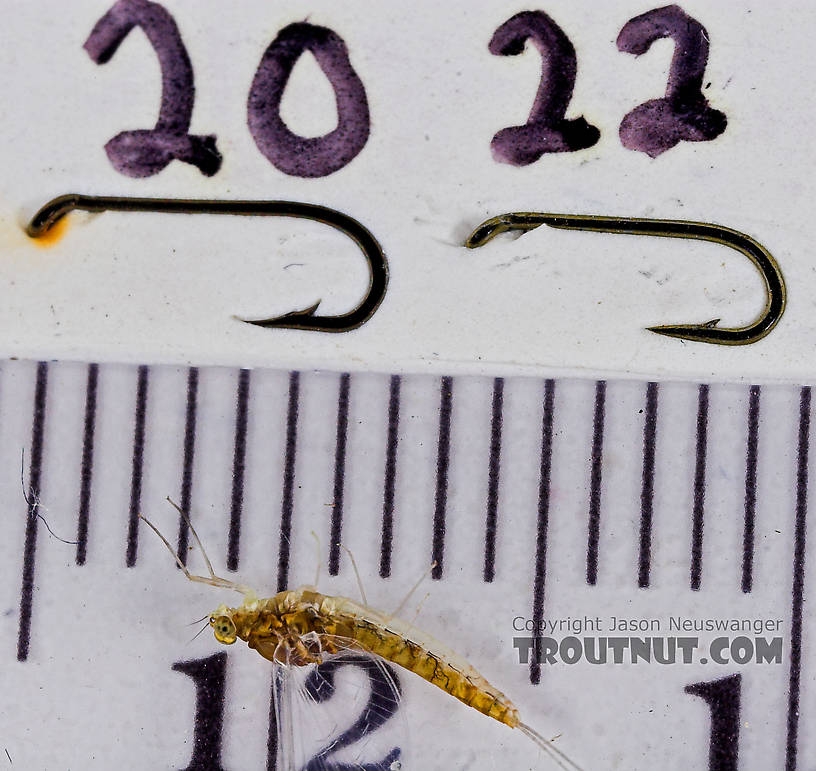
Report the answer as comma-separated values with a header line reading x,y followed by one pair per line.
x,y
54,233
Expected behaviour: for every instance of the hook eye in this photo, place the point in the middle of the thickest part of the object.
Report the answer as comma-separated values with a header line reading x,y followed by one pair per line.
x,y
306,319
708,332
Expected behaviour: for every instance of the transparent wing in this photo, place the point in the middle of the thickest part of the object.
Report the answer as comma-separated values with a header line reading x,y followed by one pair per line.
x,y
345,714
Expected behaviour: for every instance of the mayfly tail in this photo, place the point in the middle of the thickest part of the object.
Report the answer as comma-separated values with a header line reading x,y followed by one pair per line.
x,y
560,758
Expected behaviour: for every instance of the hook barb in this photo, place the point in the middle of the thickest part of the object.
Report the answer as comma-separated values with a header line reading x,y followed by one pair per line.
x,y
708,332
50,214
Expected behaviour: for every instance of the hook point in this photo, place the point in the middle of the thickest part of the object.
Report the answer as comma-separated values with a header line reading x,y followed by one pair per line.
x,y
286,321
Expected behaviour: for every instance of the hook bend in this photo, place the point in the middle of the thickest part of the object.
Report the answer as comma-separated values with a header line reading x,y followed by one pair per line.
x,y
305,319
708,332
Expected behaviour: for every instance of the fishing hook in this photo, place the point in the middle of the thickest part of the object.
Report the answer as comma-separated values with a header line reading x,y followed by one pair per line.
x,y
709,332
305,319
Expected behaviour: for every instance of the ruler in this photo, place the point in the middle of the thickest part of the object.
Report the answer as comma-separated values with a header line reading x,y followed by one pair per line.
x,y
554,509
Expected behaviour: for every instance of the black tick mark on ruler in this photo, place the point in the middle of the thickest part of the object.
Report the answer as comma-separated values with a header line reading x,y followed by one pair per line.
x,y
86,471
187,462
596,469
647,487
339,473
542,526
798,589
391,444
287,498
137,466
442,464
238,469
752,452
34,477
494,469
698,513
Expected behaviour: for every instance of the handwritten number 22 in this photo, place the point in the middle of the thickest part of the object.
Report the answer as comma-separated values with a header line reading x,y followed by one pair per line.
x,y
653,127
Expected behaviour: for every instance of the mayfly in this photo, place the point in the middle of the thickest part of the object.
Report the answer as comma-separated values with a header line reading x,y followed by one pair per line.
x,y
301,627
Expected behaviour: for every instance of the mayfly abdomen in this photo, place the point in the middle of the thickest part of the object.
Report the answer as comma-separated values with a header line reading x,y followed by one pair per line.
x,y
464,684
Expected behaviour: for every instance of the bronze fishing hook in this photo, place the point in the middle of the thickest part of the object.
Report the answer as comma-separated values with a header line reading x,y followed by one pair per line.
x,y
305,319
709,332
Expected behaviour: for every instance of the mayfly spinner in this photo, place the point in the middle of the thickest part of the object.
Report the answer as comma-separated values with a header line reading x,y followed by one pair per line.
x,y
302,626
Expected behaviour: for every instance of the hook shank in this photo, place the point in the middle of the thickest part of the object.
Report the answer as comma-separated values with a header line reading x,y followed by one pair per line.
x,y
709,332
305,319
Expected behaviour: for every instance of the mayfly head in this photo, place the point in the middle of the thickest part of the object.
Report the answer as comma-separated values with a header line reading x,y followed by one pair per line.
x,y
223,627
228,624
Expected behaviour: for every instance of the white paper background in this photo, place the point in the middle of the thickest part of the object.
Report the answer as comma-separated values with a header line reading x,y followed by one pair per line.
x,y
153,288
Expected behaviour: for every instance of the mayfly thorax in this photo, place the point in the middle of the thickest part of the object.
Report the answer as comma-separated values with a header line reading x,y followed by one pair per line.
x,y
300,627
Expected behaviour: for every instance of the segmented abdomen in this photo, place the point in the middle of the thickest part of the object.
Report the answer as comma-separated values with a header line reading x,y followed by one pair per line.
x,y
460,681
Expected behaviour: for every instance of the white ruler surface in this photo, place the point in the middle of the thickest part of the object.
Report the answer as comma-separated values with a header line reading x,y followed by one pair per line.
x,y
441,90
588,510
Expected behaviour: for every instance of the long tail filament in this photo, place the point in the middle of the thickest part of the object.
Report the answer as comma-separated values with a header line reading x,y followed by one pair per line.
x,y
557,756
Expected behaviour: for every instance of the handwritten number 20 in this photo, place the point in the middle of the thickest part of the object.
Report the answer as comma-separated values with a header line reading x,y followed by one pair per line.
x,y
146,152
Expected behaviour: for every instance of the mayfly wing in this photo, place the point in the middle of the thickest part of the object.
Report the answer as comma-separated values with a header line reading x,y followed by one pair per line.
x,y
341,715
368,743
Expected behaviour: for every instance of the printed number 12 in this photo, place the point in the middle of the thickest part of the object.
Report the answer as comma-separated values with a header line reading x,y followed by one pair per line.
x,y
209,676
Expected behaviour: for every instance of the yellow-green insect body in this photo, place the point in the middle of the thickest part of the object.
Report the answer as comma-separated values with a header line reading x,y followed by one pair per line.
x,y
300,627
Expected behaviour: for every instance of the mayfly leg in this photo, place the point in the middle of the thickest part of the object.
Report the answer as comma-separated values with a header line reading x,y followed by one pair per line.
x,y
412,590
189,524
319,557
213,579
419,608
356,573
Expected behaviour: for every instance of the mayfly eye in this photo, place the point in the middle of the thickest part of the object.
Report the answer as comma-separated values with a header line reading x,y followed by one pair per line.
x,y
224,629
